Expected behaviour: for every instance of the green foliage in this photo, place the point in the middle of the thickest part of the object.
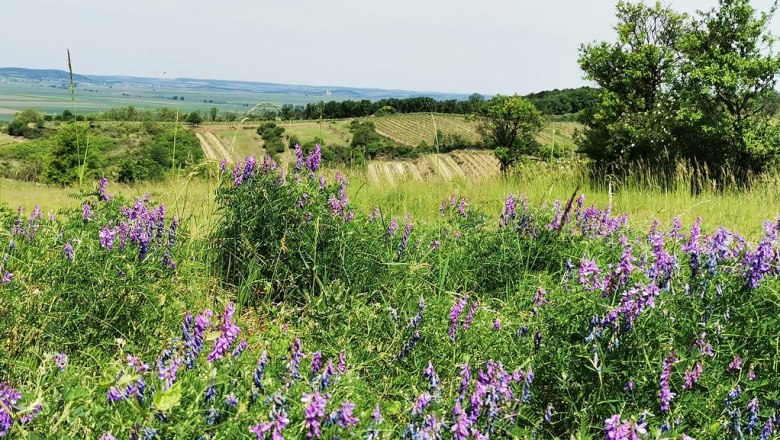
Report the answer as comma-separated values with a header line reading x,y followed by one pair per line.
x,y
28,123
674,88
76,153
507,124
386,110
194,119
175,148
137,169
293,141
81,304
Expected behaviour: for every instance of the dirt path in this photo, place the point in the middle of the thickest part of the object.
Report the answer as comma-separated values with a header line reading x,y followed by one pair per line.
x,y
219,147
206,147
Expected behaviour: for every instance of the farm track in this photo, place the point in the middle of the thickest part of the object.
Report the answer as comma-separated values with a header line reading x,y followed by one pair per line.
x,y
206,147
212,147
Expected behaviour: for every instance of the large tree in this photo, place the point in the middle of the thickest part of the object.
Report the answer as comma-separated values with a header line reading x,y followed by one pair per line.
x,y
728,76
675,88
634,74
507,124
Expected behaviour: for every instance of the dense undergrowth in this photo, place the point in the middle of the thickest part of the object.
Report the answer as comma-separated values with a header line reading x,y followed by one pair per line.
x,y
542,322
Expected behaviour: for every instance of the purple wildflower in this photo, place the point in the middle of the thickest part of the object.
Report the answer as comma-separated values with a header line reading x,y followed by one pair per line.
x,y
316,362
420,403
497,324
374,215
509,213
68,251
462,208
629,386
692,376
222,166
299,160
768,430
392,228
615,429
107,236
327,374
7,276
589,275
735,365
313,414
470,315
107,436
313,160
257,376
757,264
753,409
114,395
31,414
342,365
231,400
666,395
239,349
376,415
9,397
102,193
86,212
455,312
61,361
732,396
295,359
228,335
167,369
345,419
460,428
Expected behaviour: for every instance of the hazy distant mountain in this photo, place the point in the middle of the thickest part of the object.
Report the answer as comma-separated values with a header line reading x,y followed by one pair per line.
x,y
213,84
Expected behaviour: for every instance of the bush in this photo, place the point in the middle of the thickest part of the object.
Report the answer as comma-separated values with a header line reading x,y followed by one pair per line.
x,y
98,273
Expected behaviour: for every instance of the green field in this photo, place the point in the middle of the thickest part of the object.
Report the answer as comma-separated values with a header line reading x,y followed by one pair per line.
x,y
53,97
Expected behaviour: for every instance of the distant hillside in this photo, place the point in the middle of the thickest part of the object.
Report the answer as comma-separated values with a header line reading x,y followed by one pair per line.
x,y
189,84
39,74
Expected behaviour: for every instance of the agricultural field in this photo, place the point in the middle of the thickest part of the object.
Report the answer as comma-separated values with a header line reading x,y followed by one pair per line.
x,y
415,128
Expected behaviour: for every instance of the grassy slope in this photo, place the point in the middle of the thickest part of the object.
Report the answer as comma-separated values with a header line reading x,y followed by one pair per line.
x,y
743,212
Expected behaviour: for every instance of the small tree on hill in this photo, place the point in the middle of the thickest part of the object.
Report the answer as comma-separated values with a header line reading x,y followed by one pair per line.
x,y
194,118
507,124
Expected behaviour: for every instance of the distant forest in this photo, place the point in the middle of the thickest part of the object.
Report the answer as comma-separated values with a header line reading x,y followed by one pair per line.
x,y
550,102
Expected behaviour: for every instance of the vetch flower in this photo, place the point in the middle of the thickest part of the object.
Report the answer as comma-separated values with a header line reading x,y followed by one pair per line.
x,y
316,362
666,395
61,361
229,333
455,312
68,251
313,414
342,366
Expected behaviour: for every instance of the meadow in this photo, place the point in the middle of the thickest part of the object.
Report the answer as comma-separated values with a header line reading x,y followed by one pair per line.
x,y
253,305
421,298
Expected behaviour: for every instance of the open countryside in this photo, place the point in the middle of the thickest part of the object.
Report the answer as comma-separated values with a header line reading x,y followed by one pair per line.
x,y
207,259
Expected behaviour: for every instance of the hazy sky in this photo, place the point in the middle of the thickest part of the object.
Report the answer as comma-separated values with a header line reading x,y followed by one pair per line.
x,y
487,46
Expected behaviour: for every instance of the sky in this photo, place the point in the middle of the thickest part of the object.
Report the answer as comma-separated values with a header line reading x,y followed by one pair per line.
x,y
462,46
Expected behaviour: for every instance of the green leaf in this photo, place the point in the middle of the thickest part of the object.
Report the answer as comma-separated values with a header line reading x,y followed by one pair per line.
x,y
126,379
167,399
76,393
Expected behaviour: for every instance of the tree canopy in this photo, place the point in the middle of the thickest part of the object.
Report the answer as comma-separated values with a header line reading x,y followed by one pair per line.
x,y
508,123
674,87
